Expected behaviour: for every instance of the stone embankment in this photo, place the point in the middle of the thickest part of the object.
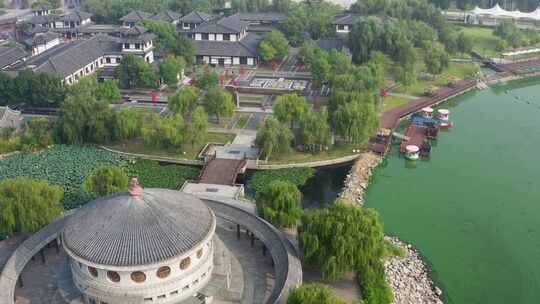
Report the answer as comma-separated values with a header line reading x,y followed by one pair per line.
x,y
409,277
357,180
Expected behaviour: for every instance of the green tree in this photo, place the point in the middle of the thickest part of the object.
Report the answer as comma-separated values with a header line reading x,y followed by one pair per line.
x,y
135,72
83,119
355,117
436,59
508,31
464,43
105,180
128,123
184,101
108,91
320,68
290,108
364,38
209,79
274,46
273,138
196,130
219,102
313,294
280,204
314,131
306,53
344,238
171,69
163,132
27,205
40,90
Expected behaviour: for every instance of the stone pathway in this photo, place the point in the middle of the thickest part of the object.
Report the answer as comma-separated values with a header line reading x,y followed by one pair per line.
x,y
411,97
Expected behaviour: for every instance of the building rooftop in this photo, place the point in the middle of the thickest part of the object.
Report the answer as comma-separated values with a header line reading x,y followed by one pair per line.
x,y
329,44
167,16
262,17
65,59
196,17
136,16
246,47
10,55
128,230
345,19
231,25
41,38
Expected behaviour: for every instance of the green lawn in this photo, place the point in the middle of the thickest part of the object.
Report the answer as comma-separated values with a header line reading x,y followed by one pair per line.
x,y
390,102
137,146
301,157
242,121
458,70
485,42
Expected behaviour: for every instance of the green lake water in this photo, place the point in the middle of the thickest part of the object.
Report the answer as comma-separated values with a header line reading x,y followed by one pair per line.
x,y
473,208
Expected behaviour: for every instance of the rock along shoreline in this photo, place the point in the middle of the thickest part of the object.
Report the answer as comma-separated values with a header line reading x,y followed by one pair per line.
x,y
408,276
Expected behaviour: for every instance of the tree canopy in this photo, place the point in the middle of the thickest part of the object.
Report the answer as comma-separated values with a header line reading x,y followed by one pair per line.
x,y
105,180
274,46
290,108
280,204
219,102
39,90
171,69
184,101
27,205
208,79
344,238
273,138
313,294
135,72
163,131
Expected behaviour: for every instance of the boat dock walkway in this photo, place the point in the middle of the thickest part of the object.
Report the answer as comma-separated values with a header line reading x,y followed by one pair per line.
x,y
417,135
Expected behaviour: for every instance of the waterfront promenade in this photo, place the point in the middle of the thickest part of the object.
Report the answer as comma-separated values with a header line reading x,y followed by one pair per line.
x,y
389,119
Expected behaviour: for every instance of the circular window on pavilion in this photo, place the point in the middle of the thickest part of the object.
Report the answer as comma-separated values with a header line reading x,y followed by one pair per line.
x,y
199,253
138,276
93,272
163,272
113,276
184,264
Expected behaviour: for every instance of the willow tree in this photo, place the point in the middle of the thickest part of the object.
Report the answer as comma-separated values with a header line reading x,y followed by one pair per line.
x,y
290,108
184,101
273,138
344,238
280,204
27,205
105,180
313,294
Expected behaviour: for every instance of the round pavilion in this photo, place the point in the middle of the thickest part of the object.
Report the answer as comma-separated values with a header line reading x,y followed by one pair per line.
x,y
141,246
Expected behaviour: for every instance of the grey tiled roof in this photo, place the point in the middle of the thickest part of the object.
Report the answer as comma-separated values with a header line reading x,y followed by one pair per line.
x,y
42,19
74,16
196,17
230,25
246,47
10,55
262,17
122,230
167,16
41,38
345,19
67,58
136,16
328,44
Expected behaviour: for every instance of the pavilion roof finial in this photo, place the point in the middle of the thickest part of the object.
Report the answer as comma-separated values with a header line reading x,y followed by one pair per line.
x,y
135,188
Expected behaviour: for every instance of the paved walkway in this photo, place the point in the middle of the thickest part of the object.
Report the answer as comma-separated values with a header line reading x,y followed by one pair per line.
x,y
404,96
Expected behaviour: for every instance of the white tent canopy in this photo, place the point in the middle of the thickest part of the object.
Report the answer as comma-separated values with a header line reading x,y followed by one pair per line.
x,y
499,12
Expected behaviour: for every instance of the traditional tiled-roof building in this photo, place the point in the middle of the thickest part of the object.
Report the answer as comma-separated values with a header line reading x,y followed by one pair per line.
x,y
194,19
131,19
40,42
167,16
225,41
10,56
344,22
